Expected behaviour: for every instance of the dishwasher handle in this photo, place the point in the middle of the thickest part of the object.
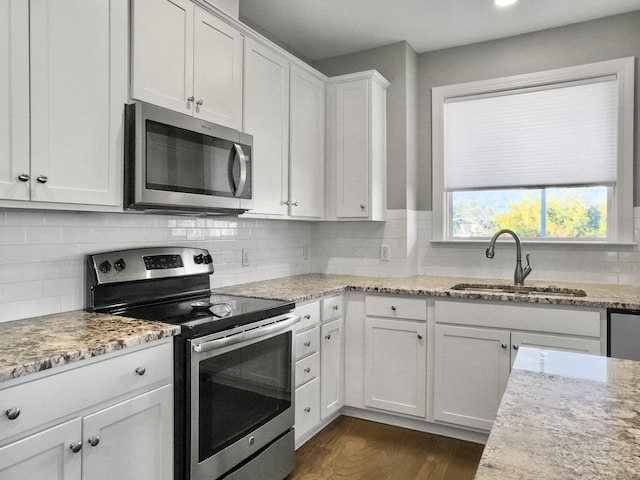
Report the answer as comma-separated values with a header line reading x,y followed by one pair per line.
x,y
246,335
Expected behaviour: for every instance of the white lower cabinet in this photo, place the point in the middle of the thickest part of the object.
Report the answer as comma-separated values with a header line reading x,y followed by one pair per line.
x,y
475,349
63,432
332,367
395,365
307,408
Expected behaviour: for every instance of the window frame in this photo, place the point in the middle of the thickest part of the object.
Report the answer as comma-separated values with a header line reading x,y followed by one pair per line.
x,y
620,220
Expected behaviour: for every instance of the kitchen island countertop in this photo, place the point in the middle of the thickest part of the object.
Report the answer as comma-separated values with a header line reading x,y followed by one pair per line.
x,y
302,288
566,416
40,343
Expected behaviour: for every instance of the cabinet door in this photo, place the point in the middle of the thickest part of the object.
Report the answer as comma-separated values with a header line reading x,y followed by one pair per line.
x,y
14,99
78,89
134,439
266,117
395,365
552,342
45,455
306,177
217,70
352,149
162,53
471,370
331,367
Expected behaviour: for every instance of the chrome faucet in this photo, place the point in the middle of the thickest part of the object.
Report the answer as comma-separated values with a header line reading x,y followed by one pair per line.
x,y
520,274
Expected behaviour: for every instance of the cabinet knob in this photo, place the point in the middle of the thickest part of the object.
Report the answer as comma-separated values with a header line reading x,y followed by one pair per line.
x,y
285,202
23,177
76,447
307,409
307,316
307,344
13,413
191,98
504,345
42,179
393,308
94,441
307,370
335,307
141,371
516,347
362,206
295,204
328,337
419,337
200,102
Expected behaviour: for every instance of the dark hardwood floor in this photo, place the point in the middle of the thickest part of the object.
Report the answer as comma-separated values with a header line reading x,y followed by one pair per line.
x,y
351,448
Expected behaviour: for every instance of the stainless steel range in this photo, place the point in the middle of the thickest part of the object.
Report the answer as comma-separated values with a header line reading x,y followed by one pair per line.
x,y
234,362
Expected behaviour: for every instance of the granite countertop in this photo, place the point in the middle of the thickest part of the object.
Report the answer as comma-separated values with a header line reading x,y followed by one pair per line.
x,y
36,344
303,288
566,416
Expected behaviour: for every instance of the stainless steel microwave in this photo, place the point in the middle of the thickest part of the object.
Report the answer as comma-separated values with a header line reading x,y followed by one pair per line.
x,y
175,163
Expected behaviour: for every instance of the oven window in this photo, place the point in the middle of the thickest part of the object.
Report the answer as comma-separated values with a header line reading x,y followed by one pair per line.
x,y
242,390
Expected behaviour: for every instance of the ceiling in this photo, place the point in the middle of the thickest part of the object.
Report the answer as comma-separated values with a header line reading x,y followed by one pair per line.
x,y
325,28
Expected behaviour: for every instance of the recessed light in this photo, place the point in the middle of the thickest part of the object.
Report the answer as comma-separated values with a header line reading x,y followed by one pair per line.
x,y
504,3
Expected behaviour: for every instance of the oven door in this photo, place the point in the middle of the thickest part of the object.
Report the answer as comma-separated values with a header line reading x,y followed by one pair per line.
x,y
242,392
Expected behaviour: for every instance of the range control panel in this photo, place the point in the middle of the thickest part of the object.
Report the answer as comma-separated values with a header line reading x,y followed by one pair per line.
x,y
148,263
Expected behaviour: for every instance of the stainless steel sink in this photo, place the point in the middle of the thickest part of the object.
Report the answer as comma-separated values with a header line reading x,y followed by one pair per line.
x,y
520,289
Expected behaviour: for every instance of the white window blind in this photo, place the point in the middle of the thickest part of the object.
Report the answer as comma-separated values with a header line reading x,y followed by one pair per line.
x,y
558,135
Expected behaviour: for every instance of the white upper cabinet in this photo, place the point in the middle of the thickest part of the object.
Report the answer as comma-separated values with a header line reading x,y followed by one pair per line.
x,y
266,117
284,108
63,87
306,177
186,59
357,147
14,99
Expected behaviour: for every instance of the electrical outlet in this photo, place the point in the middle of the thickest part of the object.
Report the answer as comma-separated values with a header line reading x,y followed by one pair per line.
x,y
305,251
245,257
385,253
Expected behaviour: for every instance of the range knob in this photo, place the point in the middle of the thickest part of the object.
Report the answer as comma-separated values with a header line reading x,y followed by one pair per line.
x,y
119,265
208,259
198,258
105,267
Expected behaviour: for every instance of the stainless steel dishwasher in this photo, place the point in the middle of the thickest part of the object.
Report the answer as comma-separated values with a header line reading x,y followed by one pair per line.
x,y
623,334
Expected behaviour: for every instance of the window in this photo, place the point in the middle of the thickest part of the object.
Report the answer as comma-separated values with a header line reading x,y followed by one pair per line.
x,y
549,155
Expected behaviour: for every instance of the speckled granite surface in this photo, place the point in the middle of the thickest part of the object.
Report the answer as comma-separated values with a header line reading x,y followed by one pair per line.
x,y
566,416
307,287
36,344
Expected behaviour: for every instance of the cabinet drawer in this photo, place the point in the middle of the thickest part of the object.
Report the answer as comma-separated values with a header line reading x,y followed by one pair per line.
x,y
46,399
307,408
307,342
332,307
307,369
546,319
396,307
309,315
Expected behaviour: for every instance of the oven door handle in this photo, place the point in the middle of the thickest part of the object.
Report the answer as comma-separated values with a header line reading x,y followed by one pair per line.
x,y
245,336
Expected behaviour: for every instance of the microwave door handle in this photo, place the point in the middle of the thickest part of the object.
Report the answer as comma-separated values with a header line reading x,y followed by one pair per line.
x,y
243,170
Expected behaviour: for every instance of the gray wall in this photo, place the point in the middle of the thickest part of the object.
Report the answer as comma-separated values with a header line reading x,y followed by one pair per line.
x,y
392,62
597,40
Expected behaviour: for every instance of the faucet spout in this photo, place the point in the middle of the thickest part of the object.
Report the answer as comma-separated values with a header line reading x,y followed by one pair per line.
x,y
520,274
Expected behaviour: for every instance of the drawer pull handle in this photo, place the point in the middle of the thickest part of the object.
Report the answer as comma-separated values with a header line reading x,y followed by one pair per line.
x,y
419,337
335,307
13,413
76,447
307,316
504,345
94,441
307,370
42,179
328,337
307,344
141,371
307,409
393,308
516,347
23,177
